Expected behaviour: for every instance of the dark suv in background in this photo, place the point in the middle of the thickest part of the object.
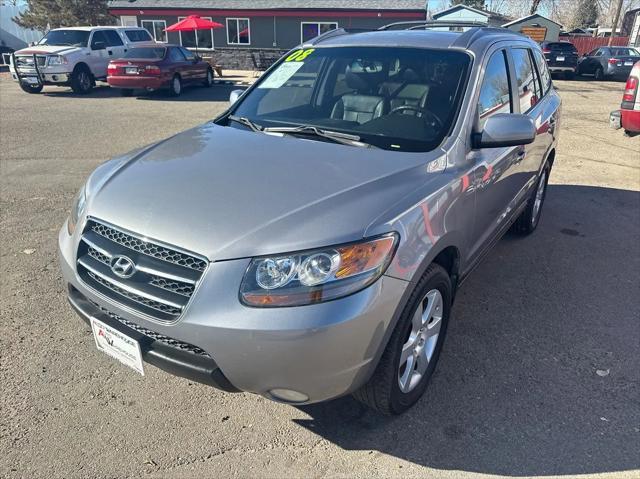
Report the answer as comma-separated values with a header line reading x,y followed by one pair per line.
x,y
562,57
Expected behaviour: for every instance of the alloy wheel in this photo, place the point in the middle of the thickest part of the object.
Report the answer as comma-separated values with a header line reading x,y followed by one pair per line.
x,y
421,343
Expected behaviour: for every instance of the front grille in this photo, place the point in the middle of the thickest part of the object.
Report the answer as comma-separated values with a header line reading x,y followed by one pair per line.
x,y
175,343
27,61
159,282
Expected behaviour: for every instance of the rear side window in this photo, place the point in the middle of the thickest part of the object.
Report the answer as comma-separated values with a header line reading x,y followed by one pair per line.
x,y
545,76
528,92
138,35
113,39
495,95
626,52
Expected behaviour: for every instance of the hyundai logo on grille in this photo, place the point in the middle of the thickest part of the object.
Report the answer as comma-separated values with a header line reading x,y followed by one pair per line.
x,y
123,266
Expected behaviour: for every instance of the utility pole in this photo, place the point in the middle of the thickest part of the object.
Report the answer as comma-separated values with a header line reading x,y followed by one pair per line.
x,y
615,22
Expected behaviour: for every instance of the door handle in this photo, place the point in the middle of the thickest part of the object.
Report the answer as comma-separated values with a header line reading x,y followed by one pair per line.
x,y
110,52
520,156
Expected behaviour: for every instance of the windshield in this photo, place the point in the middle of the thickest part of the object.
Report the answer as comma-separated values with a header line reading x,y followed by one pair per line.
x,y
147,53
394,98
75,38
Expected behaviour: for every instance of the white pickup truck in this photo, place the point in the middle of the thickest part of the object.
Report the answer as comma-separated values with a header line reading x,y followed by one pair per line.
x,y
73,56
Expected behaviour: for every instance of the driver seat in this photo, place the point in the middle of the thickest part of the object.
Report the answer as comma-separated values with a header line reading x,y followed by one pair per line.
x,y
360,106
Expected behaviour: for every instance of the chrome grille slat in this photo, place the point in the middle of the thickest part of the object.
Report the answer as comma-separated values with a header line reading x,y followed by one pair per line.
x,y
149,248
161,283
164,308
176,343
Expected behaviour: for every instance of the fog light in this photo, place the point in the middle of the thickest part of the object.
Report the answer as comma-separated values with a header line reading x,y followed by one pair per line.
x,y
287,395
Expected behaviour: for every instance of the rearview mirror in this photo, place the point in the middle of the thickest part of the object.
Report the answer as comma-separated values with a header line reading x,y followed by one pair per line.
x,y
505,129
235,94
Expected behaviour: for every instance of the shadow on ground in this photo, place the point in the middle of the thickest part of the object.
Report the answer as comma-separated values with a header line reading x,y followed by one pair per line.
x,y
540,371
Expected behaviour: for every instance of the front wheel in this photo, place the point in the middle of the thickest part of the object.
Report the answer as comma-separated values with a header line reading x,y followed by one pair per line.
x,y
410,358
530,217
31,88
81,81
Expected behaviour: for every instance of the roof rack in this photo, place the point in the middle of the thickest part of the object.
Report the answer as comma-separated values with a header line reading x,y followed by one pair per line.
x,y
425,24
336,32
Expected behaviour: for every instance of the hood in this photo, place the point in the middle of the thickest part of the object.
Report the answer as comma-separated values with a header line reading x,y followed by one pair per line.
x,y
47,50
229,193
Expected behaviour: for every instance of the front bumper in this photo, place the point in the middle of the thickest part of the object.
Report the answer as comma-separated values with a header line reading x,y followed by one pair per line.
x,y
322,351
562,68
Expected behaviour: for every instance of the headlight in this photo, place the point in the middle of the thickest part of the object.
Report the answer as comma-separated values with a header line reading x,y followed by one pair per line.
x,y
57,60
76,210
309,277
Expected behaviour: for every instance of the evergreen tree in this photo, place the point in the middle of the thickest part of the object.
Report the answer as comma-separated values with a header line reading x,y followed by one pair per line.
x,y
585,14
45,14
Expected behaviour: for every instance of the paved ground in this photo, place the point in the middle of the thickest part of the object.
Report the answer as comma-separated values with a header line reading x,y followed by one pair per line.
x,y
540,374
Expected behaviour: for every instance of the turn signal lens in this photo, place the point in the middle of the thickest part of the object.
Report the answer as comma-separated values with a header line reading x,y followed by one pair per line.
x,y
310,277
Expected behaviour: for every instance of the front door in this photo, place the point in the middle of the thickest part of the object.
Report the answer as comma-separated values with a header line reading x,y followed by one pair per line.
x,y
495,177
97,57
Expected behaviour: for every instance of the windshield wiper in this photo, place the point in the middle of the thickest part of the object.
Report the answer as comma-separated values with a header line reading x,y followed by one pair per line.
x,y
343,138
246,122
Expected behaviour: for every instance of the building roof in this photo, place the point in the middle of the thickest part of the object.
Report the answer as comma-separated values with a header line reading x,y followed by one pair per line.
x,y
273,4
455,8
491,15
530,17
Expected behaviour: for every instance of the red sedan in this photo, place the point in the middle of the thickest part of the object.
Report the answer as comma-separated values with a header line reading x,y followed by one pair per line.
x,y
158,67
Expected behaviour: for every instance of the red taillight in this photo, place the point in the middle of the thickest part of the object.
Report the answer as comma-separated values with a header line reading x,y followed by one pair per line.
x,y
112,67
152,70
630,90
546,50
613,61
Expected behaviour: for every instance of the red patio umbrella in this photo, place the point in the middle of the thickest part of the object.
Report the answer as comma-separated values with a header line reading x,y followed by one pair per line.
x,y
193,23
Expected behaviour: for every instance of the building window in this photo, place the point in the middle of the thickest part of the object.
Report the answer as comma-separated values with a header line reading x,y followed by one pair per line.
x,y
129,20
238,31
156,29
311,30
197,39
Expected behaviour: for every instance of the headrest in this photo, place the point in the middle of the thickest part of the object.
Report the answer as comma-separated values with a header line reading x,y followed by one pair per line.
x,y
357,81
410,76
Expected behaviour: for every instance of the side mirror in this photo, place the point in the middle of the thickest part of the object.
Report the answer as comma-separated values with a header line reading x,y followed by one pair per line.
x,y
505,129
98,45
235,94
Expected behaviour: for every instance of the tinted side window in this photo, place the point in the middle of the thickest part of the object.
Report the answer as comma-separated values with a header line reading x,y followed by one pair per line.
x,y
545,77
175,55
138,35
98,37
525,78
113,39
536,76
600,52
188,55
495,94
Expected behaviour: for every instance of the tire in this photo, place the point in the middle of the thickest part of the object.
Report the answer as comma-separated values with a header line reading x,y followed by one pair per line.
x,y
598,74
176,86
384,391
126,92
31,88
208,81
530,217
81,80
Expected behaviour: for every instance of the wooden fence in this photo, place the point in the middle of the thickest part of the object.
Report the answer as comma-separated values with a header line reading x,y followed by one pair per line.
x,y
586,44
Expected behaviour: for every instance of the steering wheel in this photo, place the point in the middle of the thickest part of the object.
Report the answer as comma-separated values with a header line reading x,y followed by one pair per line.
x,y
419,113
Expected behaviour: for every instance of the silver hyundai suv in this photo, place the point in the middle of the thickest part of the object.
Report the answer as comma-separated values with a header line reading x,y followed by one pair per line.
x,y
309,242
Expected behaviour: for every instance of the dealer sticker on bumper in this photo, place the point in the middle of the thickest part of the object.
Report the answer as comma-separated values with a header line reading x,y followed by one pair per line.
x,y
117,345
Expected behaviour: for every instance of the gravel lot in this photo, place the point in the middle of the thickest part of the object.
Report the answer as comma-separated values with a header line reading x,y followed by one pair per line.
x,y
540,374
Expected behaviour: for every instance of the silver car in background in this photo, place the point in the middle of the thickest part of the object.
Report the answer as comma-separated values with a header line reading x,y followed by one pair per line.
x,y
309,242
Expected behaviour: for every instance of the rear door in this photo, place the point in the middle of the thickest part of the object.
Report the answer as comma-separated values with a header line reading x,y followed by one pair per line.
x,y
115,46
177,63
191,65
